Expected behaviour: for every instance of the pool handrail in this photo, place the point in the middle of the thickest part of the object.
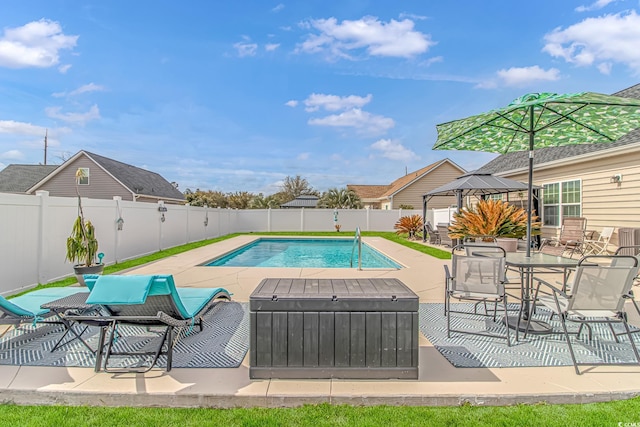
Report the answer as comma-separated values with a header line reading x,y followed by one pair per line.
x,y
357,239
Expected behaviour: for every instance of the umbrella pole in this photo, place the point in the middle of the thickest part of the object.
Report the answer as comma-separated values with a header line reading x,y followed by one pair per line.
x,y
530,181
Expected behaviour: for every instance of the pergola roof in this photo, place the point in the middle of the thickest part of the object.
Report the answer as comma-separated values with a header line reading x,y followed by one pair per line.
x,y
478,184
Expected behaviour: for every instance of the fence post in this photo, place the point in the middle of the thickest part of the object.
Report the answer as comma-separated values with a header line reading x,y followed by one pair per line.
x,y
301,219
116,239
162,209
43,275
268,219
368,220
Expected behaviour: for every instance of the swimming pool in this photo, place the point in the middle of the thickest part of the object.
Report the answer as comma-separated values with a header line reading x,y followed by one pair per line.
x,y
301,253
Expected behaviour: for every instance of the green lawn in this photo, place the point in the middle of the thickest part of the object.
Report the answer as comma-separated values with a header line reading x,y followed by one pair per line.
x,y
597,414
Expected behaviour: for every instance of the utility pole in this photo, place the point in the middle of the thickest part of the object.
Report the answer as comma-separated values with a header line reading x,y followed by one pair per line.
x,y
46,132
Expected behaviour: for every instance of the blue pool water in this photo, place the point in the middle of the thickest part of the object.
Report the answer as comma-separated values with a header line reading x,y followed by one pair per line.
x,y
318,253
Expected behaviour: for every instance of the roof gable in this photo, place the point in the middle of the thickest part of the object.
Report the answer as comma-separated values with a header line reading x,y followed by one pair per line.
x,y
411,177
19,178
137,180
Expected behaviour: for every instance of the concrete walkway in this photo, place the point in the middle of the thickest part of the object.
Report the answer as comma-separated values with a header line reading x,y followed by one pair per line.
x,y
439,383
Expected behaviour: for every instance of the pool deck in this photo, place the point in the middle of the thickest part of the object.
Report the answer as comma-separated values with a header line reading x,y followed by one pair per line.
x,y
439,383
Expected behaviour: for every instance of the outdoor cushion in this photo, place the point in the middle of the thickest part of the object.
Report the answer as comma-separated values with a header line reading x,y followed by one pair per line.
x,y
123,290
28,305
194,299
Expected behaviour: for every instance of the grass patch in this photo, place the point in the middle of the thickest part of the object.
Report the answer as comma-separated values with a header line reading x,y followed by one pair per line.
x,y
594,414
125,265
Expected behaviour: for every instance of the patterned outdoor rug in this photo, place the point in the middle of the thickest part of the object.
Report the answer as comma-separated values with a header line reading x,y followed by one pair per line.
x,y
472,351
223,343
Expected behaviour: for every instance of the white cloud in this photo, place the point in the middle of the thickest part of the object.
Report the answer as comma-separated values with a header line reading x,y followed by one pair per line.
x,y
278,8
12,155
598,4
269,47
606,39
377,38
76,118
36,44
522,76
64,68
317,101
20,128
303,156
246,48
605,68
293,103
363,121
91,87
393,150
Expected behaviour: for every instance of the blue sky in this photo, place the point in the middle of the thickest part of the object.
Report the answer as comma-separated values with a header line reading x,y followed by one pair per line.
x,y
235,96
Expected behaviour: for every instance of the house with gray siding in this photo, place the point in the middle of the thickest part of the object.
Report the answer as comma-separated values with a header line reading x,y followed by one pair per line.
x,y
106,178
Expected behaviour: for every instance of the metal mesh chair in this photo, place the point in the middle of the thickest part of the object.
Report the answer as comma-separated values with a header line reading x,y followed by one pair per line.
x,y
597,295
478,278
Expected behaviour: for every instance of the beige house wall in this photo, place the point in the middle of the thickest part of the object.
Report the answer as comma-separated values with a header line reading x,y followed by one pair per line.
x,y
101,184
604,203
412,194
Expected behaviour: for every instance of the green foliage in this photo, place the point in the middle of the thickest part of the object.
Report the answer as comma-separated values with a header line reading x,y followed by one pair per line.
x,y
593,414
213,199
403,206
82,245
272,201
340,198
492,218
410,225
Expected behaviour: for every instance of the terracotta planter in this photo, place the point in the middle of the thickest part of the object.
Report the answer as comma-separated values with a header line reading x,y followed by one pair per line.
x,y
81,270
509,244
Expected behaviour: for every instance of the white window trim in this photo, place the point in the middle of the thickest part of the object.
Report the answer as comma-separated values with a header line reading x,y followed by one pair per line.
x,y
88,176
560,203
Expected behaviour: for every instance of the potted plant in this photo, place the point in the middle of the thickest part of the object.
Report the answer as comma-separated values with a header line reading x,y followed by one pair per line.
x,y
493,219
82,245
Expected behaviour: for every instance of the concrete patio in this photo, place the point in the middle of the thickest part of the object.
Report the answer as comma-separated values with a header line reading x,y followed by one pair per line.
x,y
439,382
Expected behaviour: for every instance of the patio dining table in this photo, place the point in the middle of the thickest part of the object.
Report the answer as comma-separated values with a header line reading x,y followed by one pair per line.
x,y
536,263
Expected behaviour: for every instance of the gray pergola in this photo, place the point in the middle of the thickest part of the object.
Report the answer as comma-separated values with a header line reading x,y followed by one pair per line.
x,y
476,184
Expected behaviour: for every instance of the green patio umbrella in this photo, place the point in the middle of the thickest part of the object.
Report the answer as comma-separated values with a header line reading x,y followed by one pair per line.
x,y
539,120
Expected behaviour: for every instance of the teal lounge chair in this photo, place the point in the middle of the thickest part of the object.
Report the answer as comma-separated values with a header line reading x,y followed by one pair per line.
x,y
145,301
27,307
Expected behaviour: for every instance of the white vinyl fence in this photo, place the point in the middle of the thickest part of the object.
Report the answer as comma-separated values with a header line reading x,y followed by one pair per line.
x,y
34,230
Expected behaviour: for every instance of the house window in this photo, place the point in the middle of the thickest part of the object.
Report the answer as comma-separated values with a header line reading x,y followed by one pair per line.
x,y
495,197
83,176
560,200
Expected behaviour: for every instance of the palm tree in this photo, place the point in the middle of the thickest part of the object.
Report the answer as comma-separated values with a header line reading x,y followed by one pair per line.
x,y
342,198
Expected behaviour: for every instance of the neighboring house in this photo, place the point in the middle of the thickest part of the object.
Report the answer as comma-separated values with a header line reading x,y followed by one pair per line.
x,y
409,189
19,178
303,201
106,178
598,181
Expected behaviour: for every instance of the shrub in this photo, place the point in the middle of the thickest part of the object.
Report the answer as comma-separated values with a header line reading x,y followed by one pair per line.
x,y
411,225
492,218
